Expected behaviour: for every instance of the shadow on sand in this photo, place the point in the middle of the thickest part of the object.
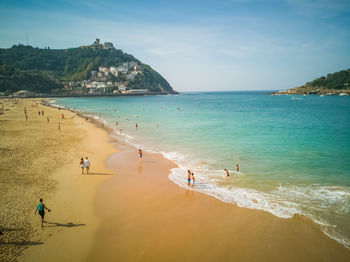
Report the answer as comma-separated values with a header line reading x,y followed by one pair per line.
x,y
3,229
99,174
69,224
22,243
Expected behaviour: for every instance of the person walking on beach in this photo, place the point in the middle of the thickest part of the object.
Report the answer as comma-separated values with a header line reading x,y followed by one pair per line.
x,y
237,168
87,165
140,154
48,119
62,116
227,173
59,127
189,177
82,165
41,210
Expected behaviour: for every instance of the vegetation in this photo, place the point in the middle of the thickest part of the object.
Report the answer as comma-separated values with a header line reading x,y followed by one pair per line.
x,y
332,84
338,80
46,70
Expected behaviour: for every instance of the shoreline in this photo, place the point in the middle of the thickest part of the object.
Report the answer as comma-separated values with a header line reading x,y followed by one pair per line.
x,y
159,220
320,225
139,214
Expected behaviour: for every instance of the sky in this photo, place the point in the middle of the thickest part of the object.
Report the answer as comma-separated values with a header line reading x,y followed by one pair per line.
x,y
207,45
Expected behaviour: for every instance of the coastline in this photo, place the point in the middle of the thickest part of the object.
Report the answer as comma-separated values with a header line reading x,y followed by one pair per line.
x,y
159,221
139,214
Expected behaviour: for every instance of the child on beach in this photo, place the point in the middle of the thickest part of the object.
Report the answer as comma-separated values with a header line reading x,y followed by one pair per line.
x,y
188,177
82,165
193,179
41,210
87,165
140,153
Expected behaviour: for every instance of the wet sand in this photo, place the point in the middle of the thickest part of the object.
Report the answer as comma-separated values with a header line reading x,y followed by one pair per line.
x,y
145,217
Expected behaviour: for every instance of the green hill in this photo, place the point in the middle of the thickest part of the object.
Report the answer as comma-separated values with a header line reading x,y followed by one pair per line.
x,y
333,84
56,71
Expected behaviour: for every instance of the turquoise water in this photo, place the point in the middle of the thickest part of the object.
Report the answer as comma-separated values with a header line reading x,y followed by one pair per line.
x,y
293,151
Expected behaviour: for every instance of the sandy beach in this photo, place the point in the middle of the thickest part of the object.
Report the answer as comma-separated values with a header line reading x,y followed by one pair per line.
x,y
38,160
127,209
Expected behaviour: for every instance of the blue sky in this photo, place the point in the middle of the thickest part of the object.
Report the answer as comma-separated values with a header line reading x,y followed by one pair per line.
x,y
208,45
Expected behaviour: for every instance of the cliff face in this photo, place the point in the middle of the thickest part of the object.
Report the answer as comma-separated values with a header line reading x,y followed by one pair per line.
x,y
332,84
56,71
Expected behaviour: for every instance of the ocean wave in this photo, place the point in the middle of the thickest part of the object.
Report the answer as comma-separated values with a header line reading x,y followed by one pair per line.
x,y
313,201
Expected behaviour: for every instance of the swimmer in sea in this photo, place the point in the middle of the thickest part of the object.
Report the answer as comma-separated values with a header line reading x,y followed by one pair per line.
x,y
227,173
136,125
188,177
237,168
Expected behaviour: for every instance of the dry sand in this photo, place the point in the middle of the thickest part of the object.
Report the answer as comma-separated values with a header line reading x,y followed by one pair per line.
x,y
39,161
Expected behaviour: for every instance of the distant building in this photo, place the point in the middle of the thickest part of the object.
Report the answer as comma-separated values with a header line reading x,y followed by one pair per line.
x,y
103,69
23,93
135,91
130,77
113,70
120,87
107,45
93,73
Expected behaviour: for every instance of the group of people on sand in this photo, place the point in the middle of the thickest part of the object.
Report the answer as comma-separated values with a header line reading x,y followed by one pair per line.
x,y
85,164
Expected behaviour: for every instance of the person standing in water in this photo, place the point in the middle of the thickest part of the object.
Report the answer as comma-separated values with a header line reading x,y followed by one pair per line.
x,y
193,179
140,154
227,173
189,177
237,168
41,210
82,165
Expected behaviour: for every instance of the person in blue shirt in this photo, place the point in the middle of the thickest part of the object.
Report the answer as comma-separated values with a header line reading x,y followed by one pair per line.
x,y
41,210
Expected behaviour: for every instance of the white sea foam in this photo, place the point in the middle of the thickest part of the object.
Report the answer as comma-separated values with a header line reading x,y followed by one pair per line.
x,y
312,201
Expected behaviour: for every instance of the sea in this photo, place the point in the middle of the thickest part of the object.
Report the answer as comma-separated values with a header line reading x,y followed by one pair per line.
x,y
293,151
